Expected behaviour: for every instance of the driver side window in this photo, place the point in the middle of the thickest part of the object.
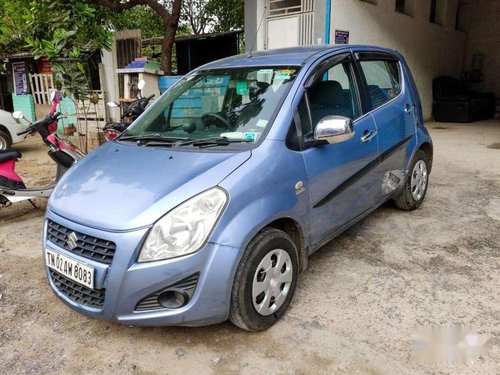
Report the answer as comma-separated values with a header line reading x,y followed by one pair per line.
x,y
334,94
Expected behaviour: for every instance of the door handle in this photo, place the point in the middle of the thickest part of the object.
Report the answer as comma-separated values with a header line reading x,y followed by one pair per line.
x,y
368,135
409,108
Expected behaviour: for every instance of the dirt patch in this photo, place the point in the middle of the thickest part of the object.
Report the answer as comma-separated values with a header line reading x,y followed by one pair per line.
x,y
495,146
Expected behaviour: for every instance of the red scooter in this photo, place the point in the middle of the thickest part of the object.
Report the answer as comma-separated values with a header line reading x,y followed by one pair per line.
x,y
62,151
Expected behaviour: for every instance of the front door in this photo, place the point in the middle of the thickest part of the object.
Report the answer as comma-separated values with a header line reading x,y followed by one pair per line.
x,y
341,179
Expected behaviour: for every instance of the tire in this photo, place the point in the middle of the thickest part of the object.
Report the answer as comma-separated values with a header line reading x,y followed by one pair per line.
x,y
5,141
267,246
408,199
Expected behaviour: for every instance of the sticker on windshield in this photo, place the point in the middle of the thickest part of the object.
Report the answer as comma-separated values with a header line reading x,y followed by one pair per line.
x,y
284,73
261,123
249,136
242,88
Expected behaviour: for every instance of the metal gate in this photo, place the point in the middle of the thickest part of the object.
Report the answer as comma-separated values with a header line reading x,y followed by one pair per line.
x,y
41,85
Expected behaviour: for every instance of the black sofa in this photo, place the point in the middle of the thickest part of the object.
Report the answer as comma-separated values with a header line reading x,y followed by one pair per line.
x,y
454,103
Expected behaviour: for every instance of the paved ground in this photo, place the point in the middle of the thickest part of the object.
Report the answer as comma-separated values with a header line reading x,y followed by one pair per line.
x,y
355,309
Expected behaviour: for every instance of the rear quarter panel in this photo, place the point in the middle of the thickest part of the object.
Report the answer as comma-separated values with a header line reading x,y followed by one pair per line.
x,y
421,133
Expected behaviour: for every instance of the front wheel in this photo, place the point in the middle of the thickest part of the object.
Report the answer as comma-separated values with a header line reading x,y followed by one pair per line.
x,y
265,281
413,193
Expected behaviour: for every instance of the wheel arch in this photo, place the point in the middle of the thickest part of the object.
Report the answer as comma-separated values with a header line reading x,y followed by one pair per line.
x,y
294,230
429,151
6,131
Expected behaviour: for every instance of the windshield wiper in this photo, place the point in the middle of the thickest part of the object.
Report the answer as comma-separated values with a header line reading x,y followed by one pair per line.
x,y
214,141
145,139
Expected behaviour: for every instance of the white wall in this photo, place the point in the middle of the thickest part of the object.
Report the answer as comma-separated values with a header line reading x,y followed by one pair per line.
x,y
279,32
255,25
483,36
431,50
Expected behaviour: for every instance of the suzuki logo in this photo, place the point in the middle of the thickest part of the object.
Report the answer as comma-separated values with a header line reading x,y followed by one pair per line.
x,y
71,241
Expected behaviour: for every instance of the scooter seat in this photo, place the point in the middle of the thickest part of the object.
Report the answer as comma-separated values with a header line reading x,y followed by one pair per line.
x,y
9,155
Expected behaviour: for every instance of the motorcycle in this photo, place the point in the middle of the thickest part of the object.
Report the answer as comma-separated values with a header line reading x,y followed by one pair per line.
x,y
61,151
130,113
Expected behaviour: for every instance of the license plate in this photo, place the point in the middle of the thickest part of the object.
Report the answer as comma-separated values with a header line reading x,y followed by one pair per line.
x,y
72,269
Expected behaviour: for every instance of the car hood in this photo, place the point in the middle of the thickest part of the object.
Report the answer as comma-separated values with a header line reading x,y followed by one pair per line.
x,y
123,187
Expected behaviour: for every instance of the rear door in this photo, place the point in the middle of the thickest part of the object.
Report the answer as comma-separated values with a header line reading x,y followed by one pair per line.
x,y
390,103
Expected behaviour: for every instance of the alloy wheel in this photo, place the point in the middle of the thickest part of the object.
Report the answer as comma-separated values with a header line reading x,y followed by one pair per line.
x,y
3,144
419,180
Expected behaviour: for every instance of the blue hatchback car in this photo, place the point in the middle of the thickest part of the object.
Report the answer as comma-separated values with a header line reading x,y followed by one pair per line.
x,y
209,206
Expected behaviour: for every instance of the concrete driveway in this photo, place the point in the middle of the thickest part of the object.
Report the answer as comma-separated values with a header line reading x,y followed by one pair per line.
x,y
355,308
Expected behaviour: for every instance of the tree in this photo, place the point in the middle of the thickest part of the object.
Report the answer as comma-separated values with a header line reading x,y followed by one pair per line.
x,y
195,14
204,16
12,25
140,17
64,31
168,11
228,14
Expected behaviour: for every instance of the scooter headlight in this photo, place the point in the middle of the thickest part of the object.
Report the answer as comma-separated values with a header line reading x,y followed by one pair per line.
x,y
185,229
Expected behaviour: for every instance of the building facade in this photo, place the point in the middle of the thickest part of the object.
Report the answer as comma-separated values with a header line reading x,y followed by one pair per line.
x,y
437,37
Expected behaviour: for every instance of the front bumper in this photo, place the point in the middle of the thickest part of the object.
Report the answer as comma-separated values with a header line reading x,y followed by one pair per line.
x,y
126,282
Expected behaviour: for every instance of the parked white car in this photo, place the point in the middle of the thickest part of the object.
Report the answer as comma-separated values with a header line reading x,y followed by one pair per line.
x,y
8,131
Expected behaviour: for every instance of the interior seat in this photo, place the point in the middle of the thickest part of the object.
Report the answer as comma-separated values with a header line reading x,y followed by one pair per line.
x,y
328,98
377,95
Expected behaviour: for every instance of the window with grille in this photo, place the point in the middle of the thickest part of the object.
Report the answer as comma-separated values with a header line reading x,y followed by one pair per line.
x,y
400,6
284,7
438,12
406,7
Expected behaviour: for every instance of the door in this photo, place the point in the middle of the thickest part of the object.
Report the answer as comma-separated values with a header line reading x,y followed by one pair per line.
x,y
340,176
392,106
283,32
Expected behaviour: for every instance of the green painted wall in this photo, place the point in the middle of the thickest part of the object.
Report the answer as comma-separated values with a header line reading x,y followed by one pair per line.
x,y
25,104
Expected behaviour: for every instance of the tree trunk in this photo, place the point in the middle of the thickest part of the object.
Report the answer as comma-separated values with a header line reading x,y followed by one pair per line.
x,y
167,46
171,23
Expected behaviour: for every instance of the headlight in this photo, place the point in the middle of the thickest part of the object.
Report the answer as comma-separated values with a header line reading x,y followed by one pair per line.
x,y
184,230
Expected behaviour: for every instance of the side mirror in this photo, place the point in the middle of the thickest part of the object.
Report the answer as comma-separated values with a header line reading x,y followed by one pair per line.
x,y
112,104
17,115
141,84
52,96
334,129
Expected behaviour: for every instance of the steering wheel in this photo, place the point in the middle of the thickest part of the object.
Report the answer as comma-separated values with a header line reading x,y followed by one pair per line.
x,y
212,118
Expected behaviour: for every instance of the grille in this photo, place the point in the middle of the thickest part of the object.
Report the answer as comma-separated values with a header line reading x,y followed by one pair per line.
x,y
187,285
76,292
87,246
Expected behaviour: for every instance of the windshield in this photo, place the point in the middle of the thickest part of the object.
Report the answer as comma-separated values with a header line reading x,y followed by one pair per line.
x,y
215,108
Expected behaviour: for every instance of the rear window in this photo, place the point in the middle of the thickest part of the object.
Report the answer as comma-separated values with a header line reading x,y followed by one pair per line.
x,y
383,81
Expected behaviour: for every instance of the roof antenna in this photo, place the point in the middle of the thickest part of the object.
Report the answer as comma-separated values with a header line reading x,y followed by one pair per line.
x,y
257,33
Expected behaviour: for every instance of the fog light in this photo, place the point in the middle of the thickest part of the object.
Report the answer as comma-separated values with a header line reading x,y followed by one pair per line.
x,y
173,299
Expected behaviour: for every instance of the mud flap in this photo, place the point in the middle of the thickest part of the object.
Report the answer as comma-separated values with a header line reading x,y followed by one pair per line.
x,y
60,171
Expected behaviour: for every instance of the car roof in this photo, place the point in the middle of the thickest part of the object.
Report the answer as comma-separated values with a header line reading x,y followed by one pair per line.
x,y
293,56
